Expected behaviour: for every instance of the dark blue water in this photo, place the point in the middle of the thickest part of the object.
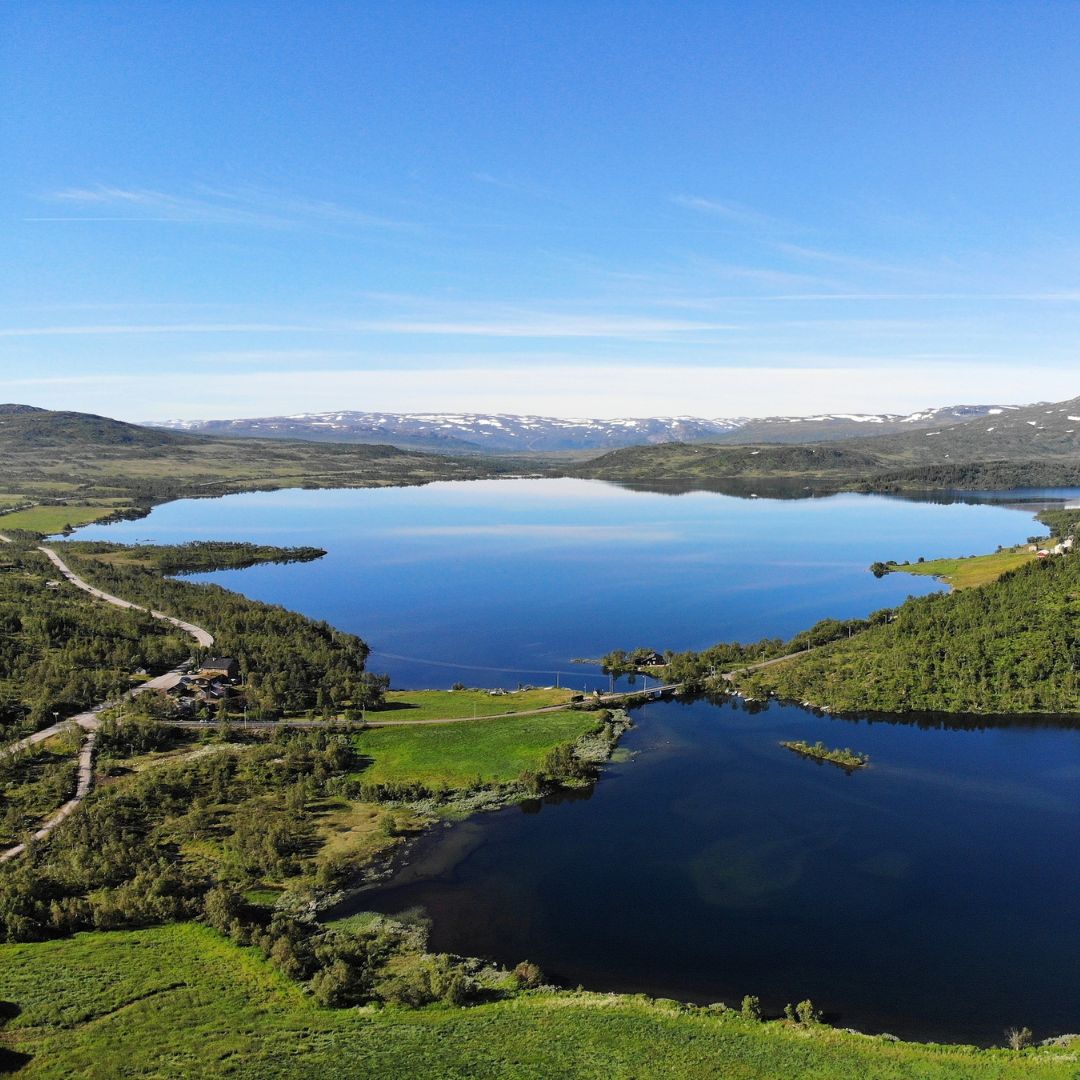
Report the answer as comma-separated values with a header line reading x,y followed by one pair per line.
x,y
932,895
500,582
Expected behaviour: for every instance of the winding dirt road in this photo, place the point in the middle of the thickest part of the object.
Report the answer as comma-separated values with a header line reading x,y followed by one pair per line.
x,y
203,637
90,720
85,780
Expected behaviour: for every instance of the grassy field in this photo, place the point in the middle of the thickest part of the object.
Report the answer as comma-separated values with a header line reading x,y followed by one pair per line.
x,y
448,704
52,519
494,751
180,1001
971,572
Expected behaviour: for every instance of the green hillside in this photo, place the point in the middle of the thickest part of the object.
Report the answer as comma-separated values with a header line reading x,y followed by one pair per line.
x,y
1011,646
97,466
1034,445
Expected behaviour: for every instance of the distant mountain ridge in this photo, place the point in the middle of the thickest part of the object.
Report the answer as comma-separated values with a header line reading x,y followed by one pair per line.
x,y
1023,446
508,433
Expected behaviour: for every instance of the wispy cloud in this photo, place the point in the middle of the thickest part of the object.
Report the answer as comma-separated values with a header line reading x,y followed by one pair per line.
x,y
778,388
244,206
842,259
731,211
507,183
158,328
258,357
529,326
554,326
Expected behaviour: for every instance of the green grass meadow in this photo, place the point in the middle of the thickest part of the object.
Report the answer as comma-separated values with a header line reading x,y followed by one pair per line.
x,y
495,751
969,573
447,704
52,519
180,1001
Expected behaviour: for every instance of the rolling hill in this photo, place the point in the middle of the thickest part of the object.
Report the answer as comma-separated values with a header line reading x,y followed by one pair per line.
x,y
1032,445
68,457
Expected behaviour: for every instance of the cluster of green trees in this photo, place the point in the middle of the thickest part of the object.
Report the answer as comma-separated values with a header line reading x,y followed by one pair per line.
x,y
197,557
1061,522
699,671
126,858
1012,646
188,838
846,758
973,476
62,651
33,783
347,965
289,663
621,662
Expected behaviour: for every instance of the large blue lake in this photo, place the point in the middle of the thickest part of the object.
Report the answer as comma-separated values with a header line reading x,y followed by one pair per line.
x,y
507,581
930,895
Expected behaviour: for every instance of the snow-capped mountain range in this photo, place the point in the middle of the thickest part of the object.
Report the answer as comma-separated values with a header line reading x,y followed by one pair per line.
x,y
505,433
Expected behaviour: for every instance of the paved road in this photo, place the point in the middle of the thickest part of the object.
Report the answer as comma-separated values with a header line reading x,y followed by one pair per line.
x,y
90,720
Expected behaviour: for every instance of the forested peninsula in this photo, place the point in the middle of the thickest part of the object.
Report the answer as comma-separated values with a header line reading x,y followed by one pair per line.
x,y
1008,646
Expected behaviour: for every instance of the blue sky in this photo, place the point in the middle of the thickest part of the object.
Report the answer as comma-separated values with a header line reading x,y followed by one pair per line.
x,y
602,209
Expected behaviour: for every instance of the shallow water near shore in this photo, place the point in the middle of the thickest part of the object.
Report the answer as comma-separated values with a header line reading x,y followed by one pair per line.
x,y
931,895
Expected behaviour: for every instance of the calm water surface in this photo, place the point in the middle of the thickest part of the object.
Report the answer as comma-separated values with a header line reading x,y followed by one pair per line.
x,y
457,580
931,895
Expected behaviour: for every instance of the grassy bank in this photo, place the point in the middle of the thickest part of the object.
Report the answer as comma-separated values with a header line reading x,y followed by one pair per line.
x,y
180,1001
469,754
53,519
968,573
448,704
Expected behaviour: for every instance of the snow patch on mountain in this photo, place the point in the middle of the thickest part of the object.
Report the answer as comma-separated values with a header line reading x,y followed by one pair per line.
x,y
506,433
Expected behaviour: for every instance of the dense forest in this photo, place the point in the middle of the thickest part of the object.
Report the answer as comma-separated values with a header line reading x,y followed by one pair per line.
x,y
62,651
699,671
1012,646
288,663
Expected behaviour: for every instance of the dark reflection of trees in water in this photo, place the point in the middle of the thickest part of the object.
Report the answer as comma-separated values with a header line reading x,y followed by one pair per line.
x,y
557,798
926,720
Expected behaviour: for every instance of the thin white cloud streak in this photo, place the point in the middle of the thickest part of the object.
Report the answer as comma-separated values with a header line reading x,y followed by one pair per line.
x,y
730,211
555,326
518,187
240,206
555,390
162,328
840,258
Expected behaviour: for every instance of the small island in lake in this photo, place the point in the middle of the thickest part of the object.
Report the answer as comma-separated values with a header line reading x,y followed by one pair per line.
x,y
846,759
